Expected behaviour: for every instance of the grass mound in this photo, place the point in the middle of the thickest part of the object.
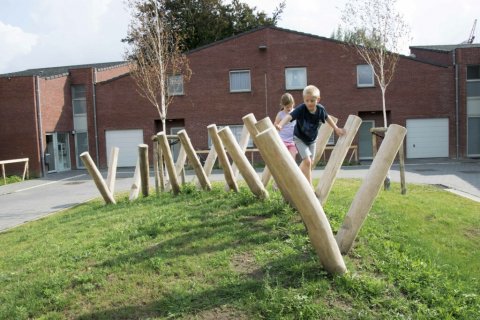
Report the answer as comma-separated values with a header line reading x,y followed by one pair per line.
x,y
219,255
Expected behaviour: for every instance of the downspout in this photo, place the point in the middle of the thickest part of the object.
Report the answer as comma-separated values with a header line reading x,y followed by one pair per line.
x,y
40,128
95,113
457,137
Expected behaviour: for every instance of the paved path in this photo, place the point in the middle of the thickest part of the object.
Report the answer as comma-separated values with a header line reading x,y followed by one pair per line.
x,y
30,200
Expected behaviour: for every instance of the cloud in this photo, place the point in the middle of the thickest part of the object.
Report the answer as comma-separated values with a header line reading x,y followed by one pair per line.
x,y
14,42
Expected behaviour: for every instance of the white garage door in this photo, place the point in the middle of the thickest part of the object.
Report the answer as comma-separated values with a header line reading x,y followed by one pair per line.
x,y
427,138
127,141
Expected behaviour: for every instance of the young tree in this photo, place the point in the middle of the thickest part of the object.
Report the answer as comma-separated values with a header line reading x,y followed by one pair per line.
x,y
155,54
375,29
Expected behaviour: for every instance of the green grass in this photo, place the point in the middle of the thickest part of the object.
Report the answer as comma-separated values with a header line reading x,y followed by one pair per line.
x,y
9,179
219,255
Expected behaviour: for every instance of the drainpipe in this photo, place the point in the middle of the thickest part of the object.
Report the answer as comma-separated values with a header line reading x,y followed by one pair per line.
x,y
457,137
95,113
40,128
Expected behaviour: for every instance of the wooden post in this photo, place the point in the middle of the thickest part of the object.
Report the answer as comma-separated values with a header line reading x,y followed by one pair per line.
x,y
135,188
156,173
239,157
401,158
167,156
250,123
222,157
25,171
263,125
370,187
192,158
112,169
336,159
288,176
144,168
3,174
324,134
180,164
97,178
243,144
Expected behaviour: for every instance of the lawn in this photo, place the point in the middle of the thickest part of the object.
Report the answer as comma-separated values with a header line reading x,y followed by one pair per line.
x,y
219,255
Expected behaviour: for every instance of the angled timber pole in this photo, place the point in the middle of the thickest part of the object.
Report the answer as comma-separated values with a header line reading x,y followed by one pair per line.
x,y
250,123
253,127
97,178
246,170
167,156
371,185
263,125
112,169
180,164
337,157
144,168
156,173
135,188
243,144
193,160
222,158
324,134
288,176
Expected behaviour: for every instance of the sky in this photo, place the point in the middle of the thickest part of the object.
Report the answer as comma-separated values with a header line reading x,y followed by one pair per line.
x,y
50,33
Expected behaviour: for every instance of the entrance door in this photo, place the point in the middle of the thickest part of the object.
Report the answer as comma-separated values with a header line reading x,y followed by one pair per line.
x,y
57,155
175,147
365,149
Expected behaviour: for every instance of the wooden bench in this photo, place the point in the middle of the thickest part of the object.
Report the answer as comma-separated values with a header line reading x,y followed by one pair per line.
x,y
25,169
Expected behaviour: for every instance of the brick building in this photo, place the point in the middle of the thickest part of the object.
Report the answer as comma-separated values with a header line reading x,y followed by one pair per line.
x,y
435,94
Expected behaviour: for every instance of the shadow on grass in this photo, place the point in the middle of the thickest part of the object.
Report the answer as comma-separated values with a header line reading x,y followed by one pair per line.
x,y
292,271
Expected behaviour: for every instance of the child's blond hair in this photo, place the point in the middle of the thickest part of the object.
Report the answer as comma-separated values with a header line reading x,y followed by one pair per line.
x,y
311,90
286,100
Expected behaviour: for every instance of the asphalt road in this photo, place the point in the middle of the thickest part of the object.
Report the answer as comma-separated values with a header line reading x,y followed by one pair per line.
x,y
33,199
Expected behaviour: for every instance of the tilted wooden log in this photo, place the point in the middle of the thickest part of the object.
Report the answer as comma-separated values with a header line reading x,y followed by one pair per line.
x,y
194,161
371,185
222,158
97,178
324,134
246,170
144,169
180,164
288,176
253,127
336,158
168,159
112,170
135,188
243,144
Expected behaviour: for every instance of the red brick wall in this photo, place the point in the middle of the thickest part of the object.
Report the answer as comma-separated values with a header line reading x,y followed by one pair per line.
x,y
109,73
419,90
18,129
433,56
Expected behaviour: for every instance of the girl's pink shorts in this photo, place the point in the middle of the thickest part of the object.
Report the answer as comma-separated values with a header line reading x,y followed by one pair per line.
x,y
291,146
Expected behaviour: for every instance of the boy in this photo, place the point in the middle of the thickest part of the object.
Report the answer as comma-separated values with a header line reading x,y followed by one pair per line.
x,y
308,116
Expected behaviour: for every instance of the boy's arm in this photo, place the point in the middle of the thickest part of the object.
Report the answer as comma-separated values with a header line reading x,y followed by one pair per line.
x,y
280,125
339,131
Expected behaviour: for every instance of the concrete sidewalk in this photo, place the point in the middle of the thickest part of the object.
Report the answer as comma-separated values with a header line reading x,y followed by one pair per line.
x,y
33,199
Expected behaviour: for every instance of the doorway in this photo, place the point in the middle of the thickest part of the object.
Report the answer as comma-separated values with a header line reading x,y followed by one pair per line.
x,y
365,149
57,154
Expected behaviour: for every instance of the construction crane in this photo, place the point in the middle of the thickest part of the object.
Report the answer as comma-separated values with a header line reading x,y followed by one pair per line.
x,y
472,34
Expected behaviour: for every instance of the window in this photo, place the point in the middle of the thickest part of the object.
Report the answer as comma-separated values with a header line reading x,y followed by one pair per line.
x,y
240,81
295,78
79,100
473,73
365,76
175,85
237,132
331,140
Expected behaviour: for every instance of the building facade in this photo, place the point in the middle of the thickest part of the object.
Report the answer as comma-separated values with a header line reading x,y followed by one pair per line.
x,y
435,93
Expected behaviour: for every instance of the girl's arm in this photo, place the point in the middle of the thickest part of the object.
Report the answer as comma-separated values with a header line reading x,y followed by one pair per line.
x,y
280,125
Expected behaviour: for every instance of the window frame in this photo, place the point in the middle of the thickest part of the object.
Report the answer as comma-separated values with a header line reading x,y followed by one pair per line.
x,y
174,86
244,71
290,86
371,84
